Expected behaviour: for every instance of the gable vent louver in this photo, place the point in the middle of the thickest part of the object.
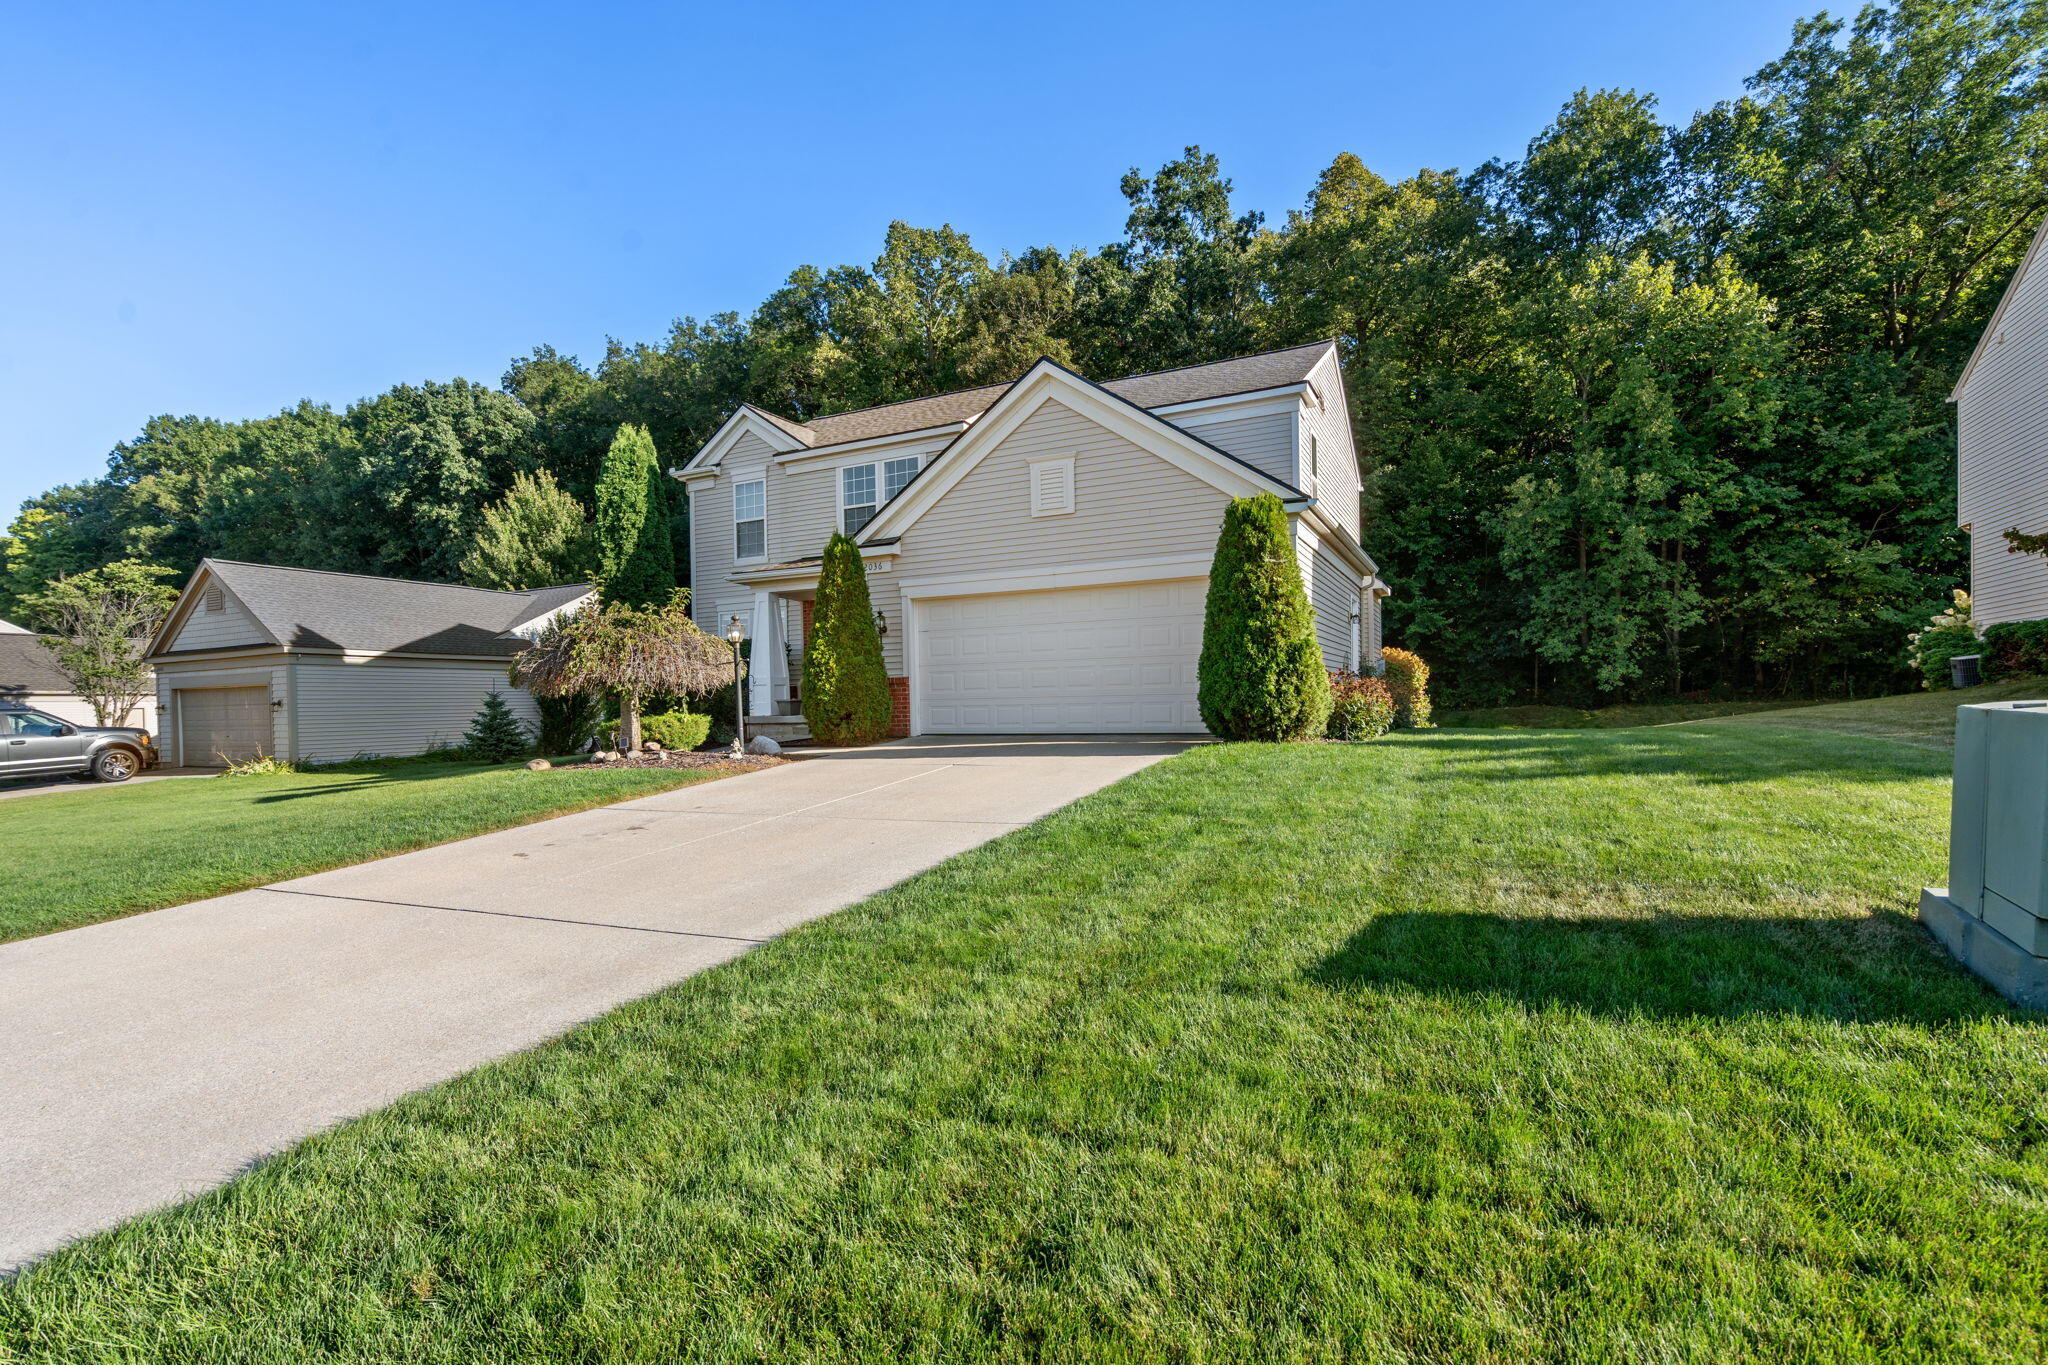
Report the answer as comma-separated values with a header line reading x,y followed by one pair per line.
x,y
213,599
1052,487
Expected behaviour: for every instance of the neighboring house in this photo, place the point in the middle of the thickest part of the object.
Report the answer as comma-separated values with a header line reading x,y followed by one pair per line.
x,y
1038,551
2002,447
322,667
29,676
9,628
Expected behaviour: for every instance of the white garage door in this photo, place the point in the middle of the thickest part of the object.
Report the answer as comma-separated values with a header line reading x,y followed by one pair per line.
x,y
1070,661
219,723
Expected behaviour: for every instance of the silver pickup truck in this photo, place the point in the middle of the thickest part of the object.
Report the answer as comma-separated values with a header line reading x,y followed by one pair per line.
x,y
37,744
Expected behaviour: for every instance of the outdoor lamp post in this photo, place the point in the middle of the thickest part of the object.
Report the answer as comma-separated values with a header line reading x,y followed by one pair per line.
x,y
734,634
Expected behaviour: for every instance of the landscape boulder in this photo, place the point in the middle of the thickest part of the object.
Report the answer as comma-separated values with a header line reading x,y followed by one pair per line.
x,y
761,744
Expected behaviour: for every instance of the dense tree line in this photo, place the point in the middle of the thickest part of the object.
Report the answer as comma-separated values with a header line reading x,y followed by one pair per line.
x,y
1653,408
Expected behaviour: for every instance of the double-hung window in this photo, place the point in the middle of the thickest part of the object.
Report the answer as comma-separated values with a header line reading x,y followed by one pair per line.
x,y
750,519
863,488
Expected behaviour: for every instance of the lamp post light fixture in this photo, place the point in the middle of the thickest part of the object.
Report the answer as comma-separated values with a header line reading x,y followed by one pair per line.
x,y
735,634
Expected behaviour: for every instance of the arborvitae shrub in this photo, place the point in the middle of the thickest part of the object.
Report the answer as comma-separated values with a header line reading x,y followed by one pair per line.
x,y
1261,674
845,684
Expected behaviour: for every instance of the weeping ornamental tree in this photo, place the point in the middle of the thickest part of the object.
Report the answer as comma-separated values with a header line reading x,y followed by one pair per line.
x,y
630,650
1261,675
846,684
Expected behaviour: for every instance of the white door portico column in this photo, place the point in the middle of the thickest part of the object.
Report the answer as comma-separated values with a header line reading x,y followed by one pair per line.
x,y
765,655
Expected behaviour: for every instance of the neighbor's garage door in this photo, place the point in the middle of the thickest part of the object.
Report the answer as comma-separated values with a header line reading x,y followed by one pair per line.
x,y
1074,660
219,723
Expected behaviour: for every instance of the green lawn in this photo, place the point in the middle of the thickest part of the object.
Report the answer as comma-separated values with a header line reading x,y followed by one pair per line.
x,y
1455,1046
74,858
1925,719
1624,716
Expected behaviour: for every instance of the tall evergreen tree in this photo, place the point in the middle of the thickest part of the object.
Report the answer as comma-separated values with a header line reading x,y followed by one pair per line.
x,y
1261,673
846,684
635,557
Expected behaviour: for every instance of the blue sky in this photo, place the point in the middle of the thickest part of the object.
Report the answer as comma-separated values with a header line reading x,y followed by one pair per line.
x,y
223,208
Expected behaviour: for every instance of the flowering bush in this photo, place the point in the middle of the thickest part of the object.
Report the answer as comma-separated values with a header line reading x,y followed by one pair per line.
x,y
1360,707
1946,635
1408,679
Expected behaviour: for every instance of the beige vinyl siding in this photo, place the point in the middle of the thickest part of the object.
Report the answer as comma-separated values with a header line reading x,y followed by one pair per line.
x,y
1265,441
1333,591
1128,504
392,707
2002,442
229,628
1337,484
1375,638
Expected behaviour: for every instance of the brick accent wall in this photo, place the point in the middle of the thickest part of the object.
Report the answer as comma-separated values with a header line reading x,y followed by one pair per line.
x,y
899,708
807,605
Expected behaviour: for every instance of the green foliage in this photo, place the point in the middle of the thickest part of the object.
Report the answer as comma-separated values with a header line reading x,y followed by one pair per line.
x,y
1361,707
495,734
98,622
630,651
262,765
2013,649
1946,635
1261,672
676,729
567,722
536,536
635,557
1408,680
845,683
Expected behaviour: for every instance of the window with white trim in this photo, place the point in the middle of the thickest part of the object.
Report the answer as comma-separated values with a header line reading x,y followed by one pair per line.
x,y
865,488
750,519
1315,462
1052,487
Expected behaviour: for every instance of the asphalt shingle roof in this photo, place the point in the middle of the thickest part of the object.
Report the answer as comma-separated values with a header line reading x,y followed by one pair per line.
x,y
1163,388
314,609
26,666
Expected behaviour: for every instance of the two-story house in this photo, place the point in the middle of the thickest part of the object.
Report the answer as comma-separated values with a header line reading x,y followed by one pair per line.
x,y
1037,551
2002,447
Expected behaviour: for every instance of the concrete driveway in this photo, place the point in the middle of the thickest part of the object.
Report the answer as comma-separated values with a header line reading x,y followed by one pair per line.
x,y
38,786
153,1057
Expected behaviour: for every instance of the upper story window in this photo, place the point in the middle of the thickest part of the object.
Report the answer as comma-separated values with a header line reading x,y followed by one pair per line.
x,y
750,519
1315,462
864,488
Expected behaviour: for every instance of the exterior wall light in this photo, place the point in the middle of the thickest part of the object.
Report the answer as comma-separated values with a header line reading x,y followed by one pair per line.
x,y
881,624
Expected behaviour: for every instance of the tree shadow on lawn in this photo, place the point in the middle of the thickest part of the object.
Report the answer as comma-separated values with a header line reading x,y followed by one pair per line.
x,y
1881,966
364,781
1756,754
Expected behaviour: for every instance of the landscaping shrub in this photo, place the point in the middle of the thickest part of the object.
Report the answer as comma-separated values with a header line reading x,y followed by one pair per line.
x,y
1261,674
263,765
1946,635
1408,679
568,722
495,734
635,553
845,684
2013,649
676,729
1361,707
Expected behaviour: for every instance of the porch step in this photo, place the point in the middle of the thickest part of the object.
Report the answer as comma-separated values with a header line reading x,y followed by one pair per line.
x,y
781,729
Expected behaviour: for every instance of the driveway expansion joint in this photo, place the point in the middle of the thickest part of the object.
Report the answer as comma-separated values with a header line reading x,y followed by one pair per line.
x,y
511,914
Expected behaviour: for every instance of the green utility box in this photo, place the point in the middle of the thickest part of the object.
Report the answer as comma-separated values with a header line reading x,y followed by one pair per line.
x,y
1993,914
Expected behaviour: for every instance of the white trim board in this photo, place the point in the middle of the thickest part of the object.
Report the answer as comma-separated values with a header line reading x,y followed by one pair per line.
x,y
1096,574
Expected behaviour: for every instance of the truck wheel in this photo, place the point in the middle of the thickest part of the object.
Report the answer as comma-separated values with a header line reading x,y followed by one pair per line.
x,y
115,765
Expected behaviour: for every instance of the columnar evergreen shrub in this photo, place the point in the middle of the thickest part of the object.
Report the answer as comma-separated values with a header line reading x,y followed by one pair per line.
x,y
676,729
1361,707
636,561
845,684
1261,674
1408,679
495,734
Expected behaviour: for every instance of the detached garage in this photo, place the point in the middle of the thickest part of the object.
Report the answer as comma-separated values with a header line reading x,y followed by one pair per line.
x,y
321,667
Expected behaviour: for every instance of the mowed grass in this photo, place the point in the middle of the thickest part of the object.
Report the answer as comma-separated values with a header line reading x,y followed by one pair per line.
x,y
1925,719
1623,716
1455,1046
75,858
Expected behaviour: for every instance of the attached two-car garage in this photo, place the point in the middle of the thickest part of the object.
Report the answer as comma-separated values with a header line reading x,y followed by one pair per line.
x,y
1095,660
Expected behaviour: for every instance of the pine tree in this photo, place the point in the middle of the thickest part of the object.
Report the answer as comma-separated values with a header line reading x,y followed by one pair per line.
x,y
495,734
846,684
1261,675
636,560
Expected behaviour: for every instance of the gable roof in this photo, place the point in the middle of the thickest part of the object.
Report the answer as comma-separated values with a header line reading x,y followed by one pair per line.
x,y
316,609
1156,389
2036,249
1049,379
27,667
